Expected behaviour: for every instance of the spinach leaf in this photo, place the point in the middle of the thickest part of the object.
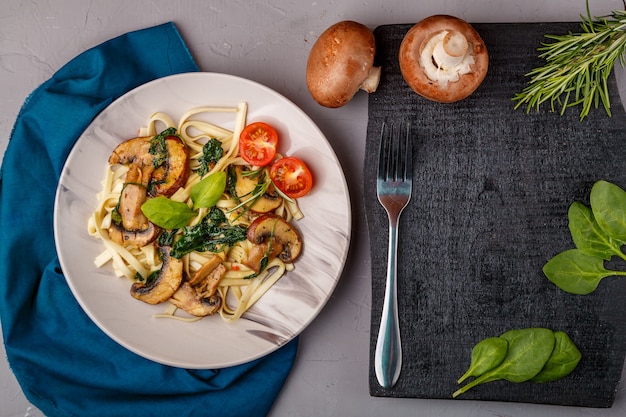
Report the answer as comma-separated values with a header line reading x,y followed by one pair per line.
x,y
211,153
486,355
212,234
576,272
158,147
208,191
564,359
587,234
528,351
167,213
608,202
598,233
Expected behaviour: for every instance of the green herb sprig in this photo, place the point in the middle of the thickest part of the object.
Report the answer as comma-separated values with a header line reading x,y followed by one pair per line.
x,y
577,66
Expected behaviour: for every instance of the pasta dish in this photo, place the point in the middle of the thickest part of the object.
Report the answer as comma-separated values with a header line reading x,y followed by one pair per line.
x,y
200,217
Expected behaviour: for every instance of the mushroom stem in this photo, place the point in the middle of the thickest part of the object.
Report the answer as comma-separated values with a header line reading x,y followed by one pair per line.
x,y
370,84
445,56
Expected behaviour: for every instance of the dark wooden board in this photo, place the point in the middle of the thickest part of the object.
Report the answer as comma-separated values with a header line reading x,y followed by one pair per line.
x,y
492,186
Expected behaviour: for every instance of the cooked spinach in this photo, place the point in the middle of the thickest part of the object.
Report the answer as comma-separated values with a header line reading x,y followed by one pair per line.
x,y
213,233
530,353
598,233
158,147
211,153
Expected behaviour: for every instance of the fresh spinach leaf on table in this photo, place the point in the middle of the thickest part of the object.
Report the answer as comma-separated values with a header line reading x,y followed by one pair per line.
x,y
486,355
564,359
532,354
598,232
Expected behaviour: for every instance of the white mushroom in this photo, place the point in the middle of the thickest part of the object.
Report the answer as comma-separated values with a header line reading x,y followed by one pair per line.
x,y
341,62
443,58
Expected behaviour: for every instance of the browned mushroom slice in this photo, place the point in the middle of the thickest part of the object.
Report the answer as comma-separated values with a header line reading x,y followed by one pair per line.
x,y
205,270
260,251
245,187
135,238
135,227
135,150
131,200
167,178
187,299
273,230
443,58
165,284
341,62
212,280
174,173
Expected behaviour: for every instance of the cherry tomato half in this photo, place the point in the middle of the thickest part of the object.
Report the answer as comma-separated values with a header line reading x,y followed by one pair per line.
x,y
291,176
257,144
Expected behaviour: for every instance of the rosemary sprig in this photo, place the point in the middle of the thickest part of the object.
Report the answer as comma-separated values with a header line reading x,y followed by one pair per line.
x,y
577,66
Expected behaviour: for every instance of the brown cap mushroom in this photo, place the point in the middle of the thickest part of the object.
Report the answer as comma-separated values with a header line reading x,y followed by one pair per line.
x,y
443,58
341,62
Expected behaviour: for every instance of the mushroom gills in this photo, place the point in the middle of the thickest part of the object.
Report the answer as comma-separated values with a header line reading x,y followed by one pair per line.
x,y
134,238
445,56
166,282
273,230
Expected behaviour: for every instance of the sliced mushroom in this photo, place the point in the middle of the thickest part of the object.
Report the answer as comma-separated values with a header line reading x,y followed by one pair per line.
x,y
140,176
260,251
174,173
135,238
167,178
187,299
341,62
245,187
205,270
208,286
135,150
274,230
443,58
132,198
165,284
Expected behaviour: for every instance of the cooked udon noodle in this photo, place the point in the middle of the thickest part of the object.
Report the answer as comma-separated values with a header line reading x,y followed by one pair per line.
x,y
238,292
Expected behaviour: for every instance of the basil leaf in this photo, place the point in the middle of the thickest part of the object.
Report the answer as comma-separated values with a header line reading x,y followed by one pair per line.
x,y
167,213
575,272
208,191
608,203
587,234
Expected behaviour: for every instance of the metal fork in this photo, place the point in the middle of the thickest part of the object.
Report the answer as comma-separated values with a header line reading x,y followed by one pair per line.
x,y
394,192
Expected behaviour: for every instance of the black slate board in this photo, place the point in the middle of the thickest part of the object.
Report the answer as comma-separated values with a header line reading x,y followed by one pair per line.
x,y
489,207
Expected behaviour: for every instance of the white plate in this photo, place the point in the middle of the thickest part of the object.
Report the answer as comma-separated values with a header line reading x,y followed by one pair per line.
x,y
285,310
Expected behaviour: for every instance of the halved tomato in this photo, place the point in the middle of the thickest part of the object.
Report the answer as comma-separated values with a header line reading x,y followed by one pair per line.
x,y
291,176
257,144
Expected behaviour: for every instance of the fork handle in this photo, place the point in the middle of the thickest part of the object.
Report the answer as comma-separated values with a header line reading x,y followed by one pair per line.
x,y
388,356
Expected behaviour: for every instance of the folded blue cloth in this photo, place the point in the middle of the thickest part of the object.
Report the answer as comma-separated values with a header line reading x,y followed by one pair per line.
x,y
64,363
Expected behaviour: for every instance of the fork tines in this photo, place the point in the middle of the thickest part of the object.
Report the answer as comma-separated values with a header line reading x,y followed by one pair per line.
x,y
394,163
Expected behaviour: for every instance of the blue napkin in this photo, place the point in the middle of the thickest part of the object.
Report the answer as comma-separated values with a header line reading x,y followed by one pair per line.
x,y
64,363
